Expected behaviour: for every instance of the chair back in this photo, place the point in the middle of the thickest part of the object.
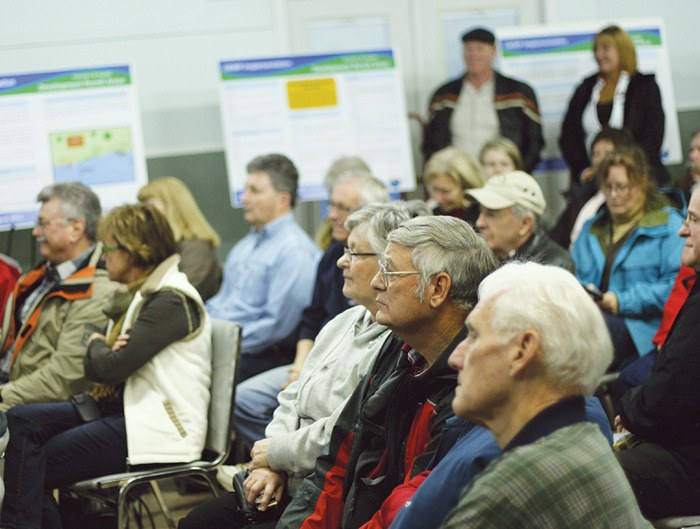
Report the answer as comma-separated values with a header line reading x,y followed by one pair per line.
x,y
225,356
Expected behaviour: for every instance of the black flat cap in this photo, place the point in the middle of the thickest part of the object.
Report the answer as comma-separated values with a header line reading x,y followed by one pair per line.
x,y
480,34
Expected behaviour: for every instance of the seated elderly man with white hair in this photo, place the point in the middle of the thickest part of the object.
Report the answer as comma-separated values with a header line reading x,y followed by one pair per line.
x,y
536,345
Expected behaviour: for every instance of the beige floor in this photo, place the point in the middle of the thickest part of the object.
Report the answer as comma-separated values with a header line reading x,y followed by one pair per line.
x,y
179,504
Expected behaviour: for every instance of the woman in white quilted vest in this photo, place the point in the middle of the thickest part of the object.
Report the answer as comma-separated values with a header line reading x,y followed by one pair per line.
x,y
152,371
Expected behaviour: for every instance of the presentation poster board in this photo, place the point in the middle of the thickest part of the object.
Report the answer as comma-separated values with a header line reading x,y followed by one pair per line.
x,y
314,109
555,59
70,125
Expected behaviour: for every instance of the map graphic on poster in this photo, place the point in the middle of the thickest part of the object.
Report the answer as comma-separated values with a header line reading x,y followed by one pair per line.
x,y
97,156
68,125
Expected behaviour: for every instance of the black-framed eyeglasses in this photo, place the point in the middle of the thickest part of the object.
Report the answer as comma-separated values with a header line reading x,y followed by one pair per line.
x,y
343,209
352,255
387,277
620,189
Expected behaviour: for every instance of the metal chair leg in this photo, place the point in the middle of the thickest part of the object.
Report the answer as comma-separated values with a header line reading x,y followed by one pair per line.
x,y
161,503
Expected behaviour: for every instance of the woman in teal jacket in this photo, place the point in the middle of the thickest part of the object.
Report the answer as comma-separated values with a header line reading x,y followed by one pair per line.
x,y
631,252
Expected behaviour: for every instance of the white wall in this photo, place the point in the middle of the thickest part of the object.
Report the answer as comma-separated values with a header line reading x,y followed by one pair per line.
x,y
174,46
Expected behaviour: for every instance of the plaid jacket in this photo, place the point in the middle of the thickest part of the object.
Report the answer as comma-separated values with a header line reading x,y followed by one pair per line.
x,y
568,479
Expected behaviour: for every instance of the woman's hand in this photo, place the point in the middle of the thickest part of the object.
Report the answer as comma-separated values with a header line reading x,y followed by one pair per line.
x,y
293,377
261,484
609,303
95,336
121,340
259,454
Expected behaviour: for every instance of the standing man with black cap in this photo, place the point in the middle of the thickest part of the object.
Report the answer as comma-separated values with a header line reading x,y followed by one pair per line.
x,y
483,104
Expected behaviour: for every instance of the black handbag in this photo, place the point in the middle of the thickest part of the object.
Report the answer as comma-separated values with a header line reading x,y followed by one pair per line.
x,y
86,407
249,514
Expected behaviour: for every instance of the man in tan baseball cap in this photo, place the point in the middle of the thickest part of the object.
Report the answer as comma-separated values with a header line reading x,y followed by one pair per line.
x,y
511,207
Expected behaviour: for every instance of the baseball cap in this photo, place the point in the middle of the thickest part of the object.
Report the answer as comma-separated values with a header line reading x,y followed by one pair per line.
x,y
505,190
481,35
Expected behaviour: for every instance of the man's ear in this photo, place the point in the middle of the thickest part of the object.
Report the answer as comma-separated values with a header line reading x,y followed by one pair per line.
x,y
526,225
77,227
526,352
439,289
285,199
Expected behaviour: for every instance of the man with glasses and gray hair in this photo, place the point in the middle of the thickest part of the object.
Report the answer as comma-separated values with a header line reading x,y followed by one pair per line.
x,y
45,317
390,428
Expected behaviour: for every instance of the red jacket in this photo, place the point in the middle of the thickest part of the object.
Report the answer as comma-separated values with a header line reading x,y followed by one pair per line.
x,y
679,293
385,436
9,272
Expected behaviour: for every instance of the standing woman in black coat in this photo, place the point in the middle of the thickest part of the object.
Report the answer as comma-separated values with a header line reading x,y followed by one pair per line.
x,y
618,96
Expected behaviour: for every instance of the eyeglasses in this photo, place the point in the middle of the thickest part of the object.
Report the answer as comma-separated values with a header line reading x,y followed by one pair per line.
x,y
43,224
341,208
351,255
109,249
387,277
620,189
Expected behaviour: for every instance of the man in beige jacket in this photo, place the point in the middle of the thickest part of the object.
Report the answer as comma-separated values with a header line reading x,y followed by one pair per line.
x,y
42,349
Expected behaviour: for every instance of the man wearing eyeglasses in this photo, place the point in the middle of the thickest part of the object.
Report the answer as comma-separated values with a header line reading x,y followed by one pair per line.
x,y
45,317
390,428
662,459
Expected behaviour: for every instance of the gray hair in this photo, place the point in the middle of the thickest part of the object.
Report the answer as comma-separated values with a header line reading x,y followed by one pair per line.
x,y
342,165
374,222
283,174
447,244
369,187
78,201
575,341
521,212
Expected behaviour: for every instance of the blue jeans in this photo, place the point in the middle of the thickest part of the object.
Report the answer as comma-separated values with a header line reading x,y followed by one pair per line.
x,y
256,401
624,350
50,448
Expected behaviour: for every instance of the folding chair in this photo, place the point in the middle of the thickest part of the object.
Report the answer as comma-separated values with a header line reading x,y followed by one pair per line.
x,y
226,351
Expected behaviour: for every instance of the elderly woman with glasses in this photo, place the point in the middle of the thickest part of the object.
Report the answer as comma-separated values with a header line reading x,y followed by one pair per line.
x,y
628,255
152,372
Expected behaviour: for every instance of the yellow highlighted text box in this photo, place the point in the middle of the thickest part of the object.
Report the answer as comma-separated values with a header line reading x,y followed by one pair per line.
x,y
312,93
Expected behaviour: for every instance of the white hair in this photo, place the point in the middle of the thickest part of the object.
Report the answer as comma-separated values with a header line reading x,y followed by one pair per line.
x,y
374,222
370,189
575,341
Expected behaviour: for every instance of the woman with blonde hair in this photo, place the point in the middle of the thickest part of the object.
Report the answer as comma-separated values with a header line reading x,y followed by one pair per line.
x,y
152,369
500,155
196,239
618,96
448,174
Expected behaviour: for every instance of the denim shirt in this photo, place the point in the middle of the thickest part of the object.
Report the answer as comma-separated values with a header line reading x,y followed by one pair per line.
x,y
268,280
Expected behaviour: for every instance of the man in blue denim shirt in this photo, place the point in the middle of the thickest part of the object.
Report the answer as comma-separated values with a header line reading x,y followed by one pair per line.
x,y
269,275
